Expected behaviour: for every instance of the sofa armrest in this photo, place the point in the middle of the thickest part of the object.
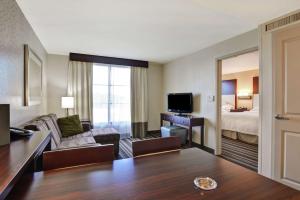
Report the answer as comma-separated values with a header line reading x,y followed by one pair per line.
x,y
77,156
86,125
110,138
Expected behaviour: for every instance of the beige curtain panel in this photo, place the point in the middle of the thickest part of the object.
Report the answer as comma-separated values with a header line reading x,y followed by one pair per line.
x,y
139,102
80,86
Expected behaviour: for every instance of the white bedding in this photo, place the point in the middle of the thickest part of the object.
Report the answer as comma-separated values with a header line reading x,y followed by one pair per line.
x,y
243,122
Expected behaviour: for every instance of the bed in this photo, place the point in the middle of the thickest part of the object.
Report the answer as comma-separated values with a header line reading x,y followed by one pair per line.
x,y
240,125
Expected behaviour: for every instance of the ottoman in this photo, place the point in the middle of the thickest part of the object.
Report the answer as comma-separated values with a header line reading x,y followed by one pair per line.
x,y
107,136
167,131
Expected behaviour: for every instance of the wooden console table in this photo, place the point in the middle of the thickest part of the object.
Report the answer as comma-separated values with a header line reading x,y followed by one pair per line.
x,y
188,121
21,155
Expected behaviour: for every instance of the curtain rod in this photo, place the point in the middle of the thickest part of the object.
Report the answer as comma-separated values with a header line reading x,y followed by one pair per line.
x,y
107,60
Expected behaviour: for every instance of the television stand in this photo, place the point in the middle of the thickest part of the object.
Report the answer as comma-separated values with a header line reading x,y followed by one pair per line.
x,y
182,115
187,121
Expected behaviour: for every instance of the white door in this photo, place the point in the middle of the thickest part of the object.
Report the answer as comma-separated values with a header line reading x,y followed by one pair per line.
x,y
286,58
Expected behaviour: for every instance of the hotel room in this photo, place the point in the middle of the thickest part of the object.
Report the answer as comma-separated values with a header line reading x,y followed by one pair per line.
x,y
149,100
240,109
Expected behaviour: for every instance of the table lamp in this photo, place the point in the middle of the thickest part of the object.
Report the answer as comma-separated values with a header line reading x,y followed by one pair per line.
x,y
67,103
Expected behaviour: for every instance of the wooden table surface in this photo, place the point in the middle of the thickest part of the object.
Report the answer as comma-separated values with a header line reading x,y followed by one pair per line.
x,y
16,157
163,176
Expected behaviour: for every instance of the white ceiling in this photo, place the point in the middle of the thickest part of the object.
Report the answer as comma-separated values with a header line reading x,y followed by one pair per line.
x,y
154,30
244,62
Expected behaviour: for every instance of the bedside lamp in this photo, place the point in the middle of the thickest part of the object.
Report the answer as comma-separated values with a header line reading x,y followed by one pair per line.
x,y
67,103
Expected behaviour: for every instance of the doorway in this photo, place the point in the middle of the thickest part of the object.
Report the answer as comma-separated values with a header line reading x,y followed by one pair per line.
x,y
238,108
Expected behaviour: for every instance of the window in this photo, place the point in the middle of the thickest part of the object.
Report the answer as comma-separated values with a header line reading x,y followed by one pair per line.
x,y
111,97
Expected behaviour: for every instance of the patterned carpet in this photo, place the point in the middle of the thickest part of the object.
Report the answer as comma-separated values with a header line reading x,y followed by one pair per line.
x,y
240,153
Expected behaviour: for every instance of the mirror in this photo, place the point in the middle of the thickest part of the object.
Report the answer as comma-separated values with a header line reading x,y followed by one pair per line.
x,y
32,77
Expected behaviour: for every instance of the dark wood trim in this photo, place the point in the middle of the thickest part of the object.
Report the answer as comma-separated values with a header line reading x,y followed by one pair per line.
x,y
108,60
204,148
256,85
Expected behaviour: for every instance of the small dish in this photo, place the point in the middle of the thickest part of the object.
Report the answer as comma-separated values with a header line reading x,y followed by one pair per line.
x,y
205,183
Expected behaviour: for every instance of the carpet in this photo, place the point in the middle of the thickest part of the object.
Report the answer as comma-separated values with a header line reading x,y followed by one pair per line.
x,y
240,153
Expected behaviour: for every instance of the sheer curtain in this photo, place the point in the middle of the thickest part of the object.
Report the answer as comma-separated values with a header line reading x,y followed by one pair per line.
x,y
111,100
80,81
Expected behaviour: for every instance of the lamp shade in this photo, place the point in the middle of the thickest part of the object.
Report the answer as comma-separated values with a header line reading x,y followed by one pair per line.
x,y
67,102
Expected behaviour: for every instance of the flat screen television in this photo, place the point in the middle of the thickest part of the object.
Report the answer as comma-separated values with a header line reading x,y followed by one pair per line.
x,y
180,102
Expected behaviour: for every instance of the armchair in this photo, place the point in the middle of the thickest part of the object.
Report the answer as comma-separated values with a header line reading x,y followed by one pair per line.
x,y
103,135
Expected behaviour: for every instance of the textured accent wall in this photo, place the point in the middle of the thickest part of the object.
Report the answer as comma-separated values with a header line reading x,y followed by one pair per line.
x,y
15,31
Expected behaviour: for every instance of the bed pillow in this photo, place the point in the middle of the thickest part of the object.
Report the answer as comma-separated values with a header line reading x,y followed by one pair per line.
x,y
227,107
70,126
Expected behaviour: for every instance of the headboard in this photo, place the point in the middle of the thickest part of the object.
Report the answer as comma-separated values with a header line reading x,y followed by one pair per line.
x,y
229,91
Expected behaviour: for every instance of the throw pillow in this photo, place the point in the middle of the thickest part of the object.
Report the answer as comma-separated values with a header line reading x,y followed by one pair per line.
x,y
70,125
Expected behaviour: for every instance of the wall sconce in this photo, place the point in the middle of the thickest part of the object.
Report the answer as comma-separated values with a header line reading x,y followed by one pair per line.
x,y
244,95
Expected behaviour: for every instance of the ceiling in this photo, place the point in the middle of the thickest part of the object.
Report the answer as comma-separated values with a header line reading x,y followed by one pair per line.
x,y
244,62
154,30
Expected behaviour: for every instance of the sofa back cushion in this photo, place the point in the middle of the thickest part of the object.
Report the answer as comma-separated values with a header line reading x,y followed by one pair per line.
x,y
70,126
54,120
40,125
52,127
37,125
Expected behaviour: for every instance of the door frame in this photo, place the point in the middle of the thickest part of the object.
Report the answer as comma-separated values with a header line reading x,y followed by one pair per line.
x,y
218,67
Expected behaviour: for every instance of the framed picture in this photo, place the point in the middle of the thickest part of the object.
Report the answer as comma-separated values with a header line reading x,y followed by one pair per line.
x,y
33,72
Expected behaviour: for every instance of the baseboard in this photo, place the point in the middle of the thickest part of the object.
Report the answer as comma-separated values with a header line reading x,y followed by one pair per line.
x,y
207,149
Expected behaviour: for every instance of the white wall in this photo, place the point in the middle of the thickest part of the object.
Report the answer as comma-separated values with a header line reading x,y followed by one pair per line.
x,y
57,82
57,87
244,83
15,31
197,73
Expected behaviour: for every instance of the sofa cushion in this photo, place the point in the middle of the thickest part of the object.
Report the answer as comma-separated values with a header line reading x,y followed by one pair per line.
x,y
85,134
55,133
76,142
70,125
103,131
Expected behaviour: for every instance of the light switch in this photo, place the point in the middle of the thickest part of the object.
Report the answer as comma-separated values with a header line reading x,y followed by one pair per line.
x,y
211,98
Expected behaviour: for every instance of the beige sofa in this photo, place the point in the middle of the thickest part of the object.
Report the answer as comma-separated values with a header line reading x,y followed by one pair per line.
x,y
89,138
